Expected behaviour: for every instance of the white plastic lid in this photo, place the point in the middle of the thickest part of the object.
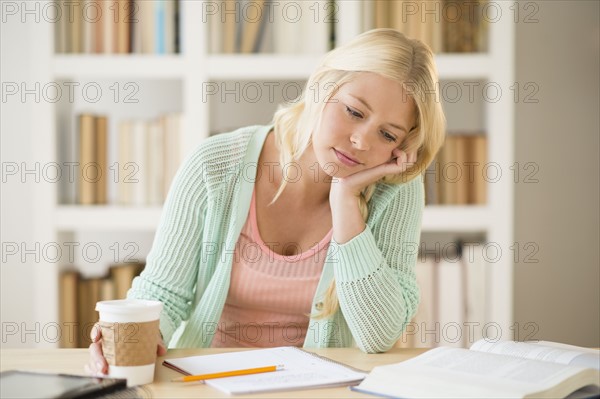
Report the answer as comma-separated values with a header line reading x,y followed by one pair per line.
x,y
134,310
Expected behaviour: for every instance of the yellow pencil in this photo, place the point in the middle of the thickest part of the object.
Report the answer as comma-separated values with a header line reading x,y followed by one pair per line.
x,y
233,373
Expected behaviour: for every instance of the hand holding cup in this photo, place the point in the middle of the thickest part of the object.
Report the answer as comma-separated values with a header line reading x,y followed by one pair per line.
x,y
126,340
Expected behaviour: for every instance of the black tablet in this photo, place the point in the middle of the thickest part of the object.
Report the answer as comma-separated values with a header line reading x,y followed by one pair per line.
x,y
25,384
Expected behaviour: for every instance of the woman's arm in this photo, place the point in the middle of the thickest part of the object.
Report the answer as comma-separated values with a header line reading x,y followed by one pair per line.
x,y
374,265
172,265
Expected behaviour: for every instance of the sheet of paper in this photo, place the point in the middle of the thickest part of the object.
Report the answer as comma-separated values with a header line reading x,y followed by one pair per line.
x,y
301,370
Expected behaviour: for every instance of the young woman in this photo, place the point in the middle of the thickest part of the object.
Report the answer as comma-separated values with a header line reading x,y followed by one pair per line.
x,y
304,232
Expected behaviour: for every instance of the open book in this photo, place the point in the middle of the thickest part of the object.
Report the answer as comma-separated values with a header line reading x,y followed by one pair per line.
x,y
503,369
301,370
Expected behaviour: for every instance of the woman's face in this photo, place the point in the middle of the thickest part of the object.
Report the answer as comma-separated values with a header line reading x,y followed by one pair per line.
x,y
361,124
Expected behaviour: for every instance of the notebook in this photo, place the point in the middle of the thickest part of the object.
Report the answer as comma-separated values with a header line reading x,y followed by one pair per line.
x,y
302,370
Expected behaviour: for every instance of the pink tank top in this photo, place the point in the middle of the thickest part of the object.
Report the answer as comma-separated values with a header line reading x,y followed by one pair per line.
x,y
270,295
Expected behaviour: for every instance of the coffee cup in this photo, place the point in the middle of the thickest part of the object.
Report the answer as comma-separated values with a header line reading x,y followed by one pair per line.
x,y
130,336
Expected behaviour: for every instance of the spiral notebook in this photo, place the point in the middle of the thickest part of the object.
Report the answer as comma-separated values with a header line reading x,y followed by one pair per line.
x,y
302,370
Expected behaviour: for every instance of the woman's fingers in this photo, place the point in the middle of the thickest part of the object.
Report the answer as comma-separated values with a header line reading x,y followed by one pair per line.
x,y
98,363
404,161
96,333
161,350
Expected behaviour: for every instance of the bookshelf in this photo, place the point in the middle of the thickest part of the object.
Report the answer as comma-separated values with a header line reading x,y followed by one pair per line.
x,y
193,67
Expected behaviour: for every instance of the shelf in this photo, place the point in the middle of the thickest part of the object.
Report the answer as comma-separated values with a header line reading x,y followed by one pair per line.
x,y
455,218
227,66
193,67
464,66
261,66
73,217
109,218
115,66
273,66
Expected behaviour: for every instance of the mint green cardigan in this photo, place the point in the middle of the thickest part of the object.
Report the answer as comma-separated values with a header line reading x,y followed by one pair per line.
x,y
188,268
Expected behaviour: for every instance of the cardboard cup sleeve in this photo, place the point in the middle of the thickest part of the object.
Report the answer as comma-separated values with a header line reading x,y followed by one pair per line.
x,y
130,344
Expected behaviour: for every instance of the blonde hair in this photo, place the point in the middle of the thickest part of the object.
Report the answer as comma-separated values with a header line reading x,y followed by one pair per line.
x,y
386,52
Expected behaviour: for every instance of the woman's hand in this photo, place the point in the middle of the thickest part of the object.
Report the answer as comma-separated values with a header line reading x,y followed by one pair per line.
x,y
347,220
97,364
354,184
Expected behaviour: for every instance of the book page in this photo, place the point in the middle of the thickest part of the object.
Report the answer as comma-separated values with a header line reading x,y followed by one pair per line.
x,y
542,350
515,370
464,373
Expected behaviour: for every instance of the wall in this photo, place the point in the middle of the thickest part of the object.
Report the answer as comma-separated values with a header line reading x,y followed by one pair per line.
x,y
560,213
16,202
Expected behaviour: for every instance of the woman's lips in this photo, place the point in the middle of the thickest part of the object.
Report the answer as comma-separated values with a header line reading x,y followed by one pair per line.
x,y
346,159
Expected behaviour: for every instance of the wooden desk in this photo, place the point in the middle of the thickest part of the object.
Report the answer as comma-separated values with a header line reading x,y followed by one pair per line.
x,y
71,361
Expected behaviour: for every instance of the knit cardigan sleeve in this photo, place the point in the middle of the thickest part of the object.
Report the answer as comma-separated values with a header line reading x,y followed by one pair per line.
x,y
171,268
375,270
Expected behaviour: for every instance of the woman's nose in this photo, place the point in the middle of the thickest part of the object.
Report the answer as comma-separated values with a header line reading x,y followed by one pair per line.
x,y
360,139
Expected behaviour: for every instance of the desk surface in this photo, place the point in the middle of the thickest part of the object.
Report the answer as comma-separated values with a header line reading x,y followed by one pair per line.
x,y
72,360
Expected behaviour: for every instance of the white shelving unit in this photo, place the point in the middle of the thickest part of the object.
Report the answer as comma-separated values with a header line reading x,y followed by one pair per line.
x,y
194,66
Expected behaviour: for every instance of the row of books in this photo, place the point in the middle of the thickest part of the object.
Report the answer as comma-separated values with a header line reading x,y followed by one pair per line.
x,y
117,26
457,176
78,297
266,26
452,310
260,26
148,157
451,26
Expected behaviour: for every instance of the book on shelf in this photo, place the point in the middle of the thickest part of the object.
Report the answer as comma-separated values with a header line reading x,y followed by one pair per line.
x,y
445,26
88,293
93,141
251,25
451,302
457,174
426,314
477,154
166,36
122,17
87,27
452,296
122,275
101,127
148,158
142,41
264,26
155,159
477,282
502,369
87,155
465,27
79,294
117,27
68,294
108,26
139,178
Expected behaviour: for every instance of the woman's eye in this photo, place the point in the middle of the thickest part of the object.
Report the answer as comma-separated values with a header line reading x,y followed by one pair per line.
x,y
388,136
353,113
